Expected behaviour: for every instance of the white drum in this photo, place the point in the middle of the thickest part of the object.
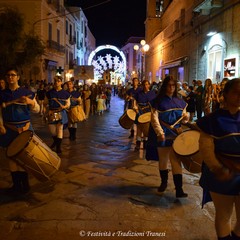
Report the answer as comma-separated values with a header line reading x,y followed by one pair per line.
x,y
34,155
186,147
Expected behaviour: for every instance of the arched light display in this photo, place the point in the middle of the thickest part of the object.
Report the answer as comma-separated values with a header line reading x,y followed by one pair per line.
x,y
103,63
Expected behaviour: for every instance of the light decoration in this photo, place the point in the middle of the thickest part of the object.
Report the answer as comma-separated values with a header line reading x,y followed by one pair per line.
x,y
102,63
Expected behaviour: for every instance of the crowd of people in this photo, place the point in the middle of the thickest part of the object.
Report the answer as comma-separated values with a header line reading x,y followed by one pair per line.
x,y
160,110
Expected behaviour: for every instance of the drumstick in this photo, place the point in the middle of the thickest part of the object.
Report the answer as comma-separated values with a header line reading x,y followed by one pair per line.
x,y
173,125
179,120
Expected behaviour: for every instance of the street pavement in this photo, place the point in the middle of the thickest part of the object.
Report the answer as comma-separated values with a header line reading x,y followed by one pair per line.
x,y
103,190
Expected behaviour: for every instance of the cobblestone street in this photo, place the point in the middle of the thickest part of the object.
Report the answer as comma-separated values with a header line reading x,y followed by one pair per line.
x,y
103,190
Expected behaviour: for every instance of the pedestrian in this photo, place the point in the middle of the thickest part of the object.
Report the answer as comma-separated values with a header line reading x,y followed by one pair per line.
x,y
130,97
220,97
167,109
101,102
86,93
75,102
219,145
199,99
190,99
108,97
41,93
93,96
207,96
16,104
2,84
142,106
58,100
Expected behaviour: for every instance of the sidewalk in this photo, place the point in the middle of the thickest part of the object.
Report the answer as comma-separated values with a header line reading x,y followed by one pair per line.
x,y
104,190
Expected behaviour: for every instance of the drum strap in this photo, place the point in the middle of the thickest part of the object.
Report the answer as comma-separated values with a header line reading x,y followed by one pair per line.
x,y
19,130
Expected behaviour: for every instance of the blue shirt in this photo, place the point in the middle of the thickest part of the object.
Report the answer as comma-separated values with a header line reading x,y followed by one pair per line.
x,y
225,129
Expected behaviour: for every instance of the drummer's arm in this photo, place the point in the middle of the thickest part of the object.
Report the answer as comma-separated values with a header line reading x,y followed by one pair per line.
x,y
157,126
67,105
185,115
79,100
206,149
135,105
2,128
34,106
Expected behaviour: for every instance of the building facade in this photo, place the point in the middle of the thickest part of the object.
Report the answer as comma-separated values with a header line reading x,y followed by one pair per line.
x,y
133,58
64,31
193,39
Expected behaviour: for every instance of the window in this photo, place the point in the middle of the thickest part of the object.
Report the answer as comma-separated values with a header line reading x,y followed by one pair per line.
x,y
215,60
70,33
58,36
49,31
66,27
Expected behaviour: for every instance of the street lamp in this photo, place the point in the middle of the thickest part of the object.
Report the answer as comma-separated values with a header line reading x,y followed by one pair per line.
x,y
143,48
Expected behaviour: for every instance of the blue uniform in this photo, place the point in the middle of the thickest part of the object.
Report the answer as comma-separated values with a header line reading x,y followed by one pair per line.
x,y
170,110
62,97
143,100
225,129
132,92
16,115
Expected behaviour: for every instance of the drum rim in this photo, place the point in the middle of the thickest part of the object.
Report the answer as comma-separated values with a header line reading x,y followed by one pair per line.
x,y
187,155
26,144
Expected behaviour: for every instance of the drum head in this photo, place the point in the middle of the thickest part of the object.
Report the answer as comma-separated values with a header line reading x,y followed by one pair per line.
x,y
187,143
144,118
131,114
19,143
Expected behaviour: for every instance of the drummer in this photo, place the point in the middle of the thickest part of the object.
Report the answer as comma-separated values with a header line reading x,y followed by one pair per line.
x,y
167,109
57,100
75,100
142,105
221,135
15,105
130,96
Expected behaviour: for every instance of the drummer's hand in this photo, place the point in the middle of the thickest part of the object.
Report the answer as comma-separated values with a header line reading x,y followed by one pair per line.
x,y
185,117
161,137
223,174
2,130
26,100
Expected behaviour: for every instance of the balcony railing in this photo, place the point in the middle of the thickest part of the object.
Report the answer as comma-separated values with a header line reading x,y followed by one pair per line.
x,y
56,46
205,6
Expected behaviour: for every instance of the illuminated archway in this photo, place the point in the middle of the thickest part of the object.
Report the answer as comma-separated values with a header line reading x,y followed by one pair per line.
x,y
103,63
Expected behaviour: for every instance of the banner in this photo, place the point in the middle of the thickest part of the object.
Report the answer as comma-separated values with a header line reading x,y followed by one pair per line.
x,y
84,72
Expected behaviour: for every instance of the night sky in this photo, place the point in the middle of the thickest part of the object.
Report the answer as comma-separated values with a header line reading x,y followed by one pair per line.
x,y
115,21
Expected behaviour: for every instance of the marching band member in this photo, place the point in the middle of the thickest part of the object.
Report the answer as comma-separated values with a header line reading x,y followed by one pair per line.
x,y
220,140
168,108
141,105
58,100
129,99
16,103
75,100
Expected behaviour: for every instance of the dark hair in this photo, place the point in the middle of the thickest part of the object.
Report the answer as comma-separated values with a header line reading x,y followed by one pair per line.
x,y
163,89
12,68
230,84
58,77
144,81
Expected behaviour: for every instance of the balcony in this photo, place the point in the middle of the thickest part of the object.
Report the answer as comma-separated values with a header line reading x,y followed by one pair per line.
x,y
55,46
72,40
204,7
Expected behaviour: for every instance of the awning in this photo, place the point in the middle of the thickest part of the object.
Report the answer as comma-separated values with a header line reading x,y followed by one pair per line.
x,y
176,63
50,62
172,64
